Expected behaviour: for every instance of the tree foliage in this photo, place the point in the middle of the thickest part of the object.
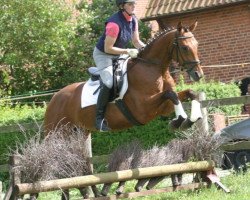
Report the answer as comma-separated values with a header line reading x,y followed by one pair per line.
x,y
34,41
48,44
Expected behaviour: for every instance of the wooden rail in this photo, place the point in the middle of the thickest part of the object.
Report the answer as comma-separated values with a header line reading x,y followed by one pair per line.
x,y
27,97
222,102
19,127
110,177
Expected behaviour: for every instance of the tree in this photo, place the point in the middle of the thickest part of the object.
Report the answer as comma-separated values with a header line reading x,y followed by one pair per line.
x,y
43,47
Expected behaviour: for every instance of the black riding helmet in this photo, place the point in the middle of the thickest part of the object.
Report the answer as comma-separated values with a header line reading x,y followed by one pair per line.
x,y
119,2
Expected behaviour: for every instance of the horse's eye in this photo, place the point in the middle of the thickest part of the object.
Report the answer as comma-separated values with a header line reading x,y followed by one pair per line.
x,y
184,48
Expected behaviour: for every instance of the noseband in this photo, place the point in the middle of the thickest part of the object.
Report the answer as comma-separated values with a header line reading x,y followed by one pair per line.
x,y
177,47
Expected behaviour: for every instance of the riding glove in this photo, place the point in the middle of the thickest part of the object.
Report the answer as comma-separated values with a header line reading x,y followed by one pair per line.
x,y
132,53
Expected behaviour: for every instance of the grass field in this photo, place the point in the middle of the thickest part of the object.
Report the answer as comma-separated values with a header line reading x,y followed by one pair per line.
x,y
239,186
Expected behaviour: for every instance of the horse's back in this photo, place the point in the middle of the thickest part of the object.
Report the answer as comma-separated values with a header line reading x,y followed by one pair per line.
x,y
62,106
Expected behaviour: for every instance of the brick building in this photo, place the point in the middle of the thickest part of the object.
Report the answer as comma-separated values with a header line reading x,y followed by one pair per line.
x,y
223,32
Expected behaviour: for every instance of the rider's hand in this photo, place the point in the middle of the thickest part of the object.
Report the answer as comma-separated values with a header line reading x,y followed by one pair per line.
x,y
132,53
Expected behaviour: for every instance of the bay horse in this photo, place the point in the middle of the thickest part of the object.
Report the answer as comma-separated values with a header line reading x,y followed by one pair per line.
x,y
150,90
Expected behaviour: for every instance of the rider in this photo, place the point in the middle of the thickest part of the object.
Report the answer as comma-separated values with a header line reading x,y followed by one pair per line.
x,y
120,29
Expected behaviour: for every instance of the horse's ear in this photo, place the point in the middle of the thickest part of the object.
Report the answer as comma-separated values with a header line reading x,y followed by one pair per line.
x,y
193,26
180,27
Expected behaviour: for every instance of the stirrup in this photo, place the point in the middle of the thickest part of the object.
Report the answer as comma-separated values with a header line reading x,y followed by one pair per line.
x,y
103,126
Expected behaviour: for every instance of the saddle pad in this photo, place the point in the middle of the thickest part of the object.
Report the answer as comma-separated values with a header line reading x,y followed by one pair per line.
x,y
88,97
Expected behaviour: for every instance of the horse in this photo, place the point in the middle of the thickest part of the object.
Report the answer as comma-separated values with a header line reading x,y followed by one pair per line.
x,y
151,88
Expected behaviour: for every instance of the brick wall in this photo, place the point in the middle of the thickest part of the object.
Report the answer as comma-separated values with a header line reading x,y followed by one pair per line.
x,y
224,39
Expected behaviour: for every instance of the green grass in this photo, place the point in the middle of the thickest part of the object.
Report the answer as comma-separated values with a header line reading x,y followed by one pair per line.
x,y
239,186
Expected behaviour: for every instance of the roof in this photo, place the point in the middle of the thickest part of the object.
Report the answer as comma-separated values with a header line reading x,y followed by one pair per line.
x,y
160,8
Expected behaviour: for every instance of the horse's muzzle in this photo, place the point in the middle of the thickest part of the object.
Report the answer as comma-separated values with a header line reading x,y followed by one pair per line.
x,y
195,75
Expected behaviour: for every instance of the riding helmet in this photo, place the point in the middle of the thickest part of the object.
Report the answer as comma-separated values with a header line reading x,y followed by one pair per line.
x,y
119,2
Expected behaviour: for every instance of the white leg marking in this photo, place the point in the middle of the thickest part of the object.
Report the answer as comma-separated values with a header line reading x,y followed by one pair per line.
x,y
179,110
195,111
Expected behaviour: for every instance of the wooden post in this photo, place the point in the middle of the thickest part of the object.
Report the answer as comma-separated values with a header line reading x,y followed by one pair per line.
x,y
110,177
15,178
202,124
1,189
89,149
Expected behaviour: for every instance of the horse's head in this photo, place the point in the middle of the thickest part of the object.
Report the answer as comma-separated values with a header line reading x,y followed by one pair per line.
x,y
185,51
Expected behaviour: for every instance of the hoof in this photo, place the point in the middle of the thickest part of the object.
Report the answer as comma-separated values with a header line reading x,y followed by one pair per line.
x,y
176,123
187,123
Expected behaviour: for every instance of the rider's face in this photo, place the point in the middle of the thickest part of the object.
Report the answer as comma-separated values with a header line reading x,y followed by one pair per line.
x,y
129,7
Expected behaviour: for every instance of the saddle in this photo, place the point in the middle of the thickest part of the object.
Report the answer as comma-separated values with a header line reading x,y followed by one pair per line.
x,y
117,76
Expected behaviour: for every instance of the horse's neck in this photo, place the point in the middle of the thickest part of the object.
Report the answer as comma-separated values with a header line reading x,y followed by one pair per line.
x,y
148,74
160,50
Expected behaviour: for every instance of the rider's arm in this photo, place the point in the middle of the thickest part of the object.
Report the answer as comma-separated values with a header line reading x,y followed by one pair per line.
x,y
136,38
112,31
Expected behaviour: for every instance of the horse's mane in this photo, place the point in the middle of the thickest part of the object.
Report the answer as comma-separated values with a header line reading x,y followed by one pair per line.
x,y
153,39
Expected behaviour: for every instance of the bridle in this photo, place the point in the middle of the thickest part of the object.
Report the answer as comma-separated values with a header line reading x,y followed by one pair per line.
x,y
177,47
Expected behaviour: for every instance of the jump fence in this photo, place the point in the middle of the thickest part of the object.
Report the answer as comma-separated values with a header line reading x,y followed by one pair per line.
x,y
204,168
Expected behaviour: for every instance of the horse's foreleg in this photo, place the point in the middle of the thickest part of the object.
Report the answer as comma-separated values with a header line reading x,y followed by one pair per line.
x,y
179,111
195,104
181,117
178,108
195,107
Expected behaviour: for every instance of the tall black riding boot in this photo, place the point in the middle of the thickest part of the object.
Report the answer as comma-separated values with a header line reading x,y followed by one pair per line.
x,y
102,101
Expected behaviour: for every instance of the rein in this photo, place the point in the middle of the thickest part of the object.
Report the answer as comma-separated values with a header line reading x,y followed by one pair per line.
x,y
149,61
